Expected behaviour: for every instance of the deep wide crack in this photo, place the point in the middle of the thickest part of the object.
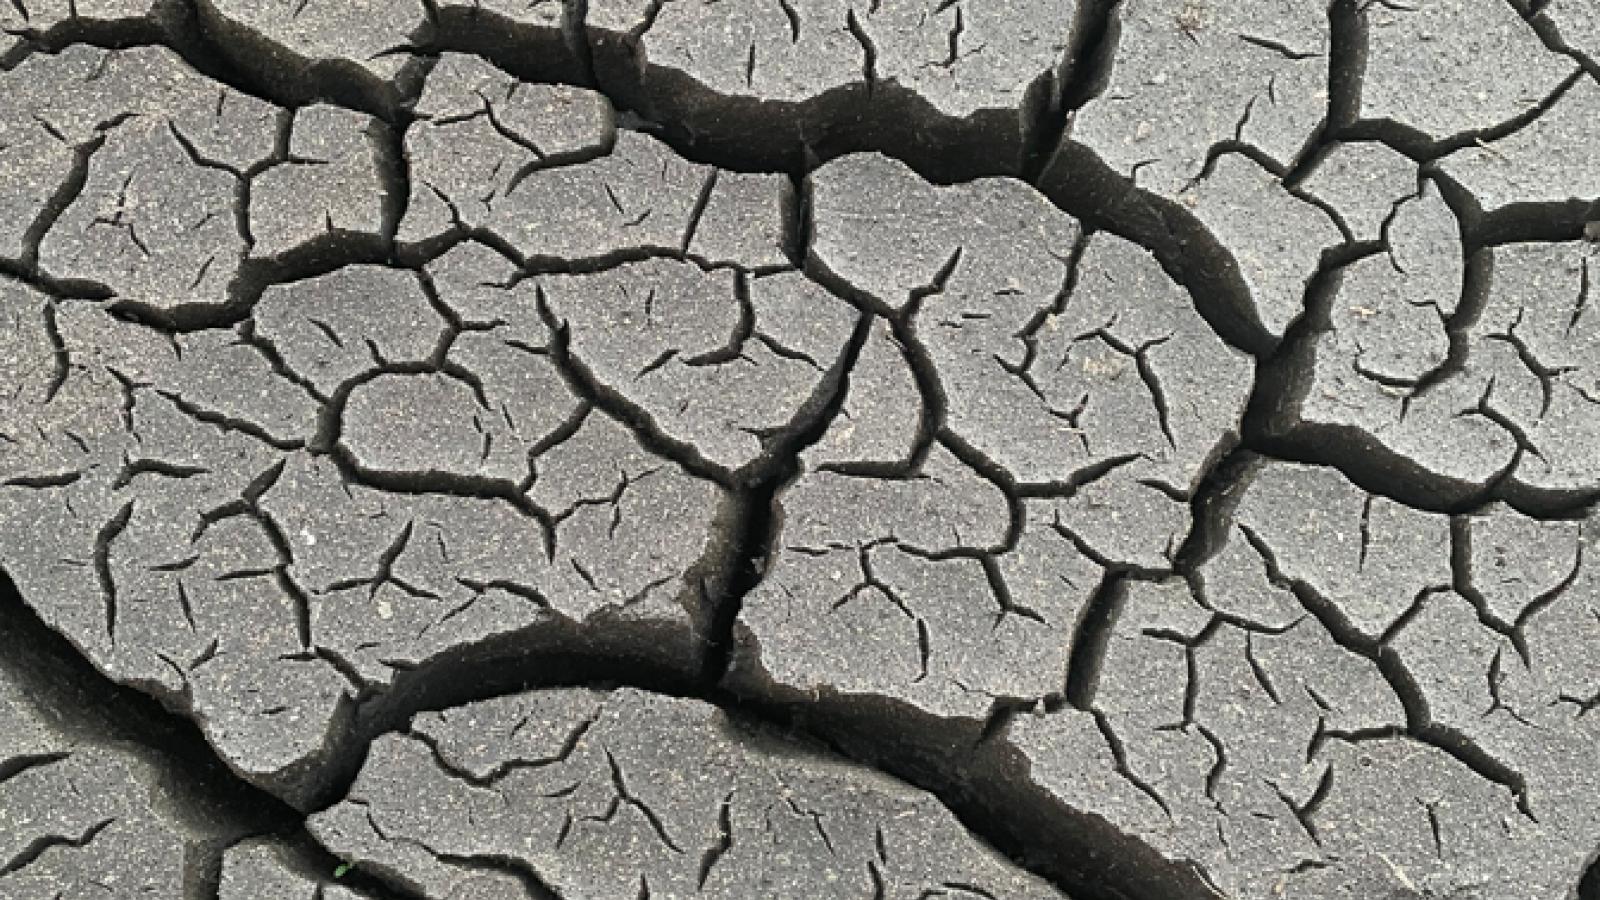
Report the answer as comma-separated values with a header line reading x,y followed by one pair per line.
x,y
1076,182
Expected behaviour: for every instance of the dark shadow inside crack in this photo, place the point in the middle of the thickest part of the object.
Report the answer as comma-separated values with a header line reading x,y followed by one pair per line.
x,y
1090,638
1589,885
302,857
1188,249
507,664
90,709
968,765
1078,181
168,20
66,682
757,525
733,132
1544,221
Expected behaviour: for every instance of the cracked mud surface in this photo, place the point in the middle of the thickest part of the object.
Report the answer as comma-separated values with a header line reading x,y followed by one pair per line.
x,y
897,449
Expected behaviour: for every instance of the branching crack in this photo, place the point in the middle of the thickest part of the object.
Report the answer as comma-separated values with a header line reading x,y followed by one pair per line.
x,y
1420,724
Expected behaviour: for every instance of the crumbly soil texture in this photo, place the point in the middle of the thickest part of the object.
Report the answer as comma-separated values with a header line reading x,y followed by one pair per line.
x,y
883,449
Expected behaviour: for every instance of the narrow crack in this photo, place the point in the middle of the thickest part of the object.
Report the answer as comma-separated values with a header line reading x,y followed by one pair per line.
x,y
91,710
1420,724
37,847
756,526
